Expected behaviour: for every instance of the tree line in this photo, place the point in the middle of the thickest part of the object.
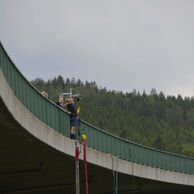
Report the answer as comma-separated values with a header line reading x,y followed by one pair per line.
x,y
155,120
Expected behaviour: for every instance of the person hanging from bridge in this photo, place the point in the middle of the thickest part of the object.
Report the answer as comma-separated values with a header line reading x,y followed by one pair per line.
x,y
73,113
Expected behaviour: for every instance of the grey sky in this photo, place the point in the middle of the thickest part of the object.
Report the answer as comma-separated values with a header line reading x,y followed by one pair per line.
x,y
120,44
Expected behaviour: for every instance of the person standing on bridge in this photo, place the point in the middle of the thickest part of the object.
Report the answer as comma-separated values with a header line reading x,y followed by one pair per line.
x,y
73,113
61,102
45,94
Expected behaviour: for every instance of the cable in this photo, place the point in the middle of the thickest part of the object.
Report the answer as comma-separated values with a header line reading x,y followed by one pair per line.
x,y
115,174
85,163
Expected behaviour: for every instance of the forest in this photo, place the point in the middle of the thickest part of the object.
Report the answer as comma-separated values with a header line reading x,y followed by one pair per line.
x,y
154,120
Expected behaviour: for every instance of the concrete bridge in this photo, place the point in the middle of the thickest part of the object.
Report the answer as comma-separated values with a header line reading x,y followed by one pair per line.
x,y
37,155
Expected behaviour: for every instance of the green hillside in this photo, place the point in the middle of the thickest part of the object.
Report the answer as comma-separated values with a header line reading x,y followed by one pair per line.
x,y
156,120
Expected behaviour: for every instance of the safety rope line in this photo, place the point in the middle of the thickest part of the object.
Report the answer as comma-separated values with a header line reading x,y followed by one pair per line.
x,y
115,174
77,179
115,177
85,163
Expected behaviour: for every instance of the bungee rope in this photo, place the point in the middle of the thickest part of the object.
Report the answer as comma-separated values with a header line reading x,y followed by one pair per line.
x,y
85,163
77,154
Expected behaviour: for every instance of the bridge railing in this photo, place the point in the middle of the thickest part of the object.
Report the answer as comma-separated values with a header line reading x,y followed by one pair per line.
x,y
44,109
53,116
127,150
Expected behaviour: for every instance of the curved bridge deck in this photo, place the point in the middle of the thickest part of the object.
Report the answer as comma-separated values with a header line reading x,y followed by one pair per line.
x,y
37,154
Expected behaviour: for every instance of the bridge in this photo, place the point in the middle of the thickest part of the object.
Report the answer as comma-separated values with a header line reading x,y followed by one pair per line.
x,y
37,155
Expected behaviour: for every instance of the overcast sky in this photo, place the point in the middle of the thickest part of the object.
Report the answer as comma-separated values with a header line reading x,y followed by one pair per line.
x,y
119,44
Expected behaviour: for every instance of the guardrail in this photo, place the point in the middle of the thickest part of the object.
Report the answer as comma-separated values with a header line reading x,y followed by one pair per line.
x,y
127,150
44,109
55,117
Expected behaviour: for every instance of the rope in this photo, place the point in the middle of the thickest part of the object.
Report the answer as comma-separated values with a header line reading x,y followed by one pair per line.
x,y
77,154
115,174
85,167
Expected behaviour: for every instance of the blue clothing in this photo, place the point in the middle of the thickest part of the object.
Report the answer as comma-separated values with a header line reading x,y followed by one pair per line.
x,y
72,110
73,115
73,121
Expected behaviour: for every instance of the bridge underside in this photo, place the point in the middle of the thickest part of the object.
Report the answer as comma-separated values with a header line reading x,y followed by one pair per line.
x,y
29,166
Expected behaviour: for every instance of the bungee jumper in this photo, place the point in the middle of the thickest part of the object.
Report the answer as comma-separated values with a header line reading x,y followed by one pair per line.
x,y
70,104
73,114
